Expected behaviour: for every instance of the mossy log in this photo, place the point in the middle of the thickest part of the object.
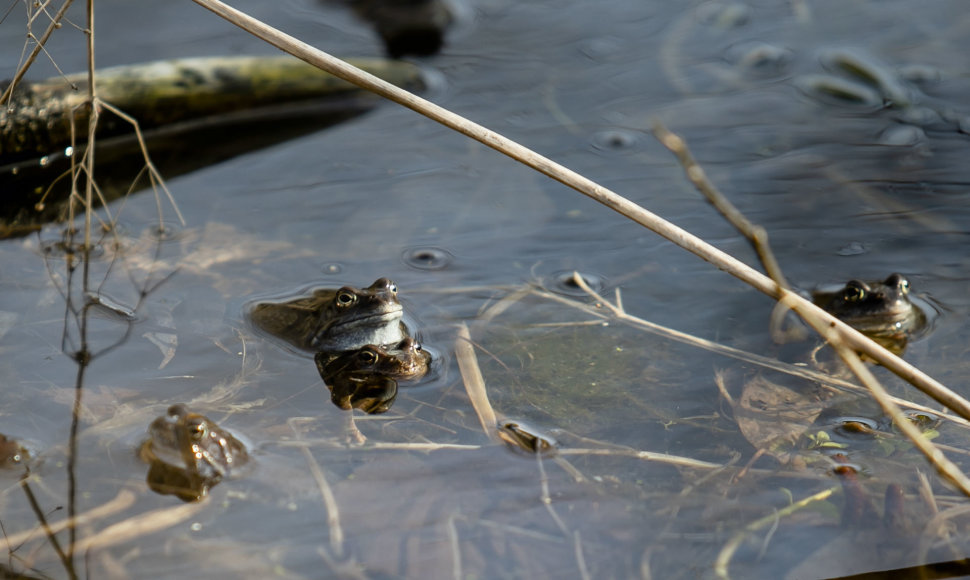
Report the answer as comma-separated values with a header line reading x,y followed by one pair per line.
x,y
37,120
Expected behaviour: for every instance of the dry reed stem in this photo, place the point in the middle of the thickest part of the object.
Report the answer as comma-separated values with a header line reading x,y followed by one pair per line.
x,y
698,178
646,456
682,238
370,445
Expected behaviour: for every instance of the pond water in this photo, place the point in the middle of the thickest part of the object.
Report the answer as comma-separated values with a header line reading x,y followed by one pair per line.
x,y
846,187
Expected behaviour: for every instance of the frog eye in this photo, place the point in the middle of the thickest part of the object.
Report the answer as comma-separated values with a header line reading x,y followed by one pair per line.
x,y
854,291
392,288
898,281
345,298
197,428
367,356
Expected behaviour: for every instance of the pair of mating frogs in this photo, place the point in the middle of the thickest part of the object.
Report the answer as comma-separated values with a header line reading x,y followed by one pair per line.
x,y
363,348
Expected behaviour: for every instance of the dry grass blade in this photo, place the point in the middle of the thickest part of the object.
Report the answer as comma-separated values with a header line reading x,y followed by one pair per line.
x,y
471,374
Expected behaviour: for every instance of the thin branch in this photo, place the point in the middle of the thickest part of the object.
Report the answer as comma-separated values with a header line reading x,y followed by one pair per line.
x,y
698,177
22,70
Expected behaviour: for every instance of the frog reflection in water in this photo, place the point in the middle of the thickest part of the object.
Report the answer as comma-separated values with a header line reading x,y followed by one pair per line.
x,y
367,378
188,453
336,320
882,311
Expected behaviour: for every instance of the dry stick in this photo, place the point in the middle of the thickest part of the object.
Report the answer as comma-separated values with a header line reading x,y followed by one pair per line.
x,y
682,238
695,173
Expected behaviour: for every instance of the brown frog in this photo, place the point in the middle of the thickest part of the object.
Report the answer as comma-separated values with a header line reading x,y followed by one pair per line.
x,y
188,453
336,320
884,310
367,378
12,452
404,360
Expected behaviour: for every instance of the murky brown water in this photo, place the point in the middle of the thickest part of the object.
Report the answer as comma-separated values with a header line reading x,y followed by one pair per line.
x,y
846,190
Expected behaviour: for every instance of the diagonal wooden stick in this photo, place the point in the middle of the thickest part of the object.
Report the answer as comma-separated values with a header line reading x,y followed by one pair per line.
x,y
682,238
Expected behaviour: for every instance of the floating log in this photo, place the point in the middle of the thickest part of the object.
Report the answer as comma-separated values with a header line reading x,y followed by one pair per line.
x,y
38,119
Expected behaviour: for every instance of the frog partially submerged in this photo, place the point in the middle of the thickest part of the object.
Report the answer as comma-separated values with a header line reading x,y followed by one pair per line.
x,y
188,453
336,320
404,360
367,378
882,310
12,452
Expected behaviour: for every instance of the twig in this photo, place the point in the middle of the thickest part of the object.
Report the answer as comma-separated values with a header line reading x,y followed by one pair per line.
x,y
682,238
695,173
38,47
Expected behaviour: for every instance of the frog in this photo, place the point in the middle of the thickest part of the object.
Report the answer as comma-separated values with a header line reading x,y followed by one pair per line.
x,y
367,378
882,310
405,360
188,453
13,453
338,320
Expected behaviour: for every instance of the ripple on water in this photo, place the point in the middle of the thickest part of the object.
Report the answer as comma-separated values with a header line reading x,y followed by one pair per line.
x,y
564,282
427,258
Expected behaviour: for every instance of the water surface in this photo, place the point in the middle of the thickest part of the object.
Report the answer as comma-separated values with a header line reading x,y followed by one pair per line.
x,y
845,191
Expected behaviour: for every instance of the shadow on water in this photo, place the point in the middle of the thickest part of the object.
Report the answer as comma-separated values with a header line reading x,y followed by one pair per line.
x,y
36,191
